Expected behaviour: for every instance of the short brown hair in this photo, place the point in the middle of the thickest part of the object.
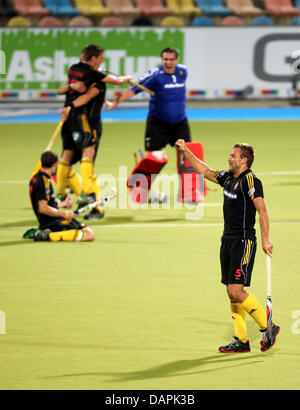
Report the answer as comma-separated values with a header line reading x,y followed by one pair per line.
x,y
48,159
247,151
90,51
170,50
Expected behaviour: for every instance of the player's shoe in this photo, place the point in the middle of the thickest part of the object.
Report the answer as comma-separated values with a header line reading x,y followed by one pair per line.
x,y
29,234
84,200
236,346
95,214
42,235
156,197
269,338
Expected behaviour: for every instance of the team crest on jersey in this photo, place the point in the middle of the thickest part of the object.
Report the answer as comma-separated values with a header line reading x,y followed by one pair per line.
x,y
181,72
76,136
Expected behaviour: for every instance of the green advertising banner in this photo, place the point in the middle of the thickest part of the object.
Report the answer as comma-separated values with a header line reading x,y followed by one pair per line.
x,y
37,60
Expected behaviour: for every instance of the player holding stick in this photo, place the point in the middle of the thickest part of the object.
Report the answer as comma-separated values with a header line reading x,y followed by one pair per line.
x,y
54,225
243,196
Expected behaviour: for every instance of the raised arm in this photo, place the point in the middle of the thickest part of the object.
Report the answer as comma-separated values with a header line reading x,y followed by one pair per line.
x,y
116,80
199,166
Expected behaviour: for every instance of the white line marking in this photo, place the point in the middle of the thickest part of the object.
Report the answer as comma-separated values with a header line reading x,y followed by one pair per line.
x,y
163,225
161,177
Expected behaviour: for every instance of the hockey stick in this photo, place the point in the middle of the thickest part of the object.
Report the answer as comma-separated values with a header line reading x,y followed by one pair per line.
x,y
134,83
269,295
51,142
29,234
100,202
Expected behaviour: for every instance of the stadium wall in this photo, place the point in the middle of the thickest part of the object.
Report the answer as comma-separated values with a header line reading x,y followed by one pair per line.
x,y
223,62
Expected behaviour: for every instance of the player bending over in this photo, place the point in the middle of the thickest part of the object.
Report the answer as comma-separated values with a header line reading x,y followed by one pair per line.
x,y
243,196
55,225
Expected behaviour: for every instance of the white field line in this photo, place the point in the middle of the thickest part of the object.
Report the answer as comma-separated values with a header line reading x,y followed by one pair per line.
x,y
161,177
164,225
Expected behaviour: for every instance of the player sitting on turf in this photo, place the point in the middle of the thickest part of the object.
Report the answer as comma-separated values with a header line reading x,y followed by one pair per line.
x,y
55,225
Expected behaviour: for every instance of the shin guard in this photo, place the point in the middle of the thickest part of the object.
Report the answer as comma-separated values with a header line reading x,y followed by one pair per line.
x,y
142,176
192,187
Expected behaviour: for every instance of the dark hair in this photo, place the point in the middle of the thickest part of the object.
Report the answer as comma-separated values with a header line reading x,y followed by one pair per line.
x,y
48,159
247,151
170,50
90,51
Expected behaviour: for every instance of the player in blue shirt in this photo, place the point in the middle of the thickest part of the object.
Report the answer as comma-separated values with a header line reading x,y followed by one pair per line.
x,y
167,120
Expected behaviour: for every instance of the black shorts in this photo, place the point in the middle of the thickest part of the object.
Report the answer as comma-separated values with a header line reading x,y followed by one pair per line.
x,y
160,133
97,132
77,133
237,259
64,226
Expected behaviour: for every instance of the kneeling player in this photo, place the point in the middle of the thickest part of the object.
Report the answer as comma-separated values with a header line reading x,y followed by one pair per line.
x,y
55,225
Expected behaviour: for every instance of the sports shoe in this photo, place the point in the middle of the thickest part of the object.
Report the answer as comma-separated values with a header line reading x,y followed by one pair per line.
x,y
29,234
236,346
94,214
269,338
156,197
42,235
84,200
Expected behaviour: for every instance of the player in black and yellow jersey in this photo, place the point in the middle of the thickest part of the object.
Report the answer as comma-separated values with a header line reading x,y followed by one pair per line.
x,y
82,128
54,224
243,196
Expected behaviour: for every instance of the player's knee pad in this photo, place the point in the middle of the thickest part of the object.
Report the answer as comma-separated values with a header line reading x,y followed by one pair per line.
x,y
192,187
143,175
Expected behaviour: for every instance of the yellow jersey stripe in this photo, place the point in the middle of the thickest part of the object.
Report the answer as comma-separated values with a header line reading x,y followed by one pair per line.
x,y
85,124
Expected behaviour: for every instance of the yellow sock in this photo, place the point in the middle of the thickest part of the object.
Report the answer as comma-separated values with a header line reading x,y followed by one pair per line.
x,y
96,186
86,170
239,320
255,310
73,235
74,182
96,191
62,177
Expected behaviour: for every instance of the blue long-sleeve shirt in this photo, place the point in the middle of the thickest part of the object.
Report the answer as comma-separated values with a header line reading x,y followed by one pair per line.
x,y
169,101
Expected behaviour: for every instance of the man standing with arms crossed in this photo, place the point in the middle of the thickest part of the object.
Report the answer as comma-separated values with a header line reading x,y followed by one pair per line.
x,y
243,196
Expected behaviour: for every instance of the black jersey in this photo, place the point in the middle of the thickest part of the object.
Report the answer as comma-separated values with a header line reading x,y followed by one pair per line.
x,y
83,72
238,209
94,107
41,189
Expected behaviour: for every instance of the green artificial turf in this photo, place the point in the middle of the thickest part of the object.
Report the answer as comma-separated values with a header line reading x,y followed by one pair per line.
x,y
142,307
